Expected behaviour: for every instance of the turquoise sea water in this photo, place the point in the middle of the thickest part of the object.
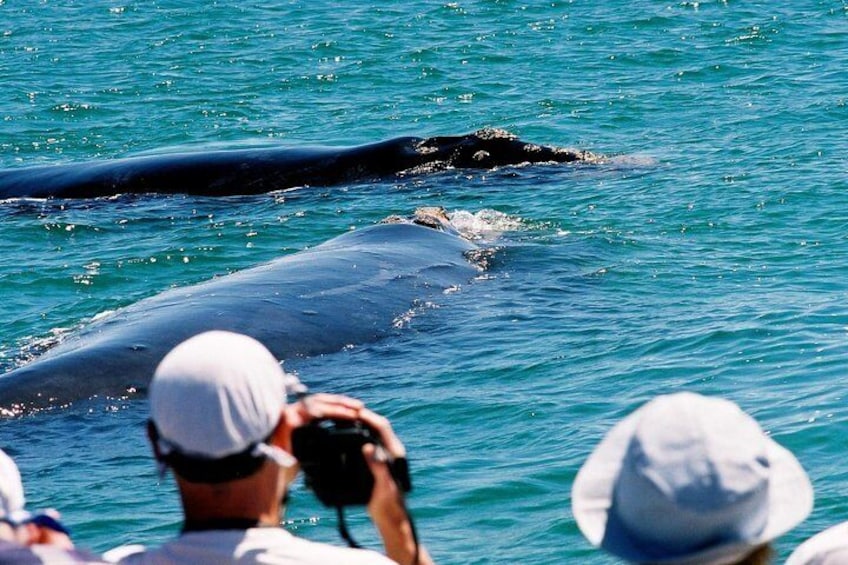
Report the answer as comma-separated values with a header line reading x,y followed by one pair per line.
x,y
710,255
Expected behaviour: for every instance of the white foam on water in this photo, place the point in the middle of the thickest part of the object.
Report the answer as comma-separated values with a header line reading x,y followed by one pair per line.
x,y
485,224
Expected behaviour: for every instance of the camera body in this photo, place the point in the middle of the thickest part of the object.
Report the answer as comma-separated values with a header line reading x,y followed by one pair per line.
x,y
330,454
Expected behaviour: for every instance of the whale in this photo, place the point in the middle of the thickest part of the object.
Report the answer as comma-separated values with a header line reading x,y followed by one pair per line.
x,y
265,169
353,289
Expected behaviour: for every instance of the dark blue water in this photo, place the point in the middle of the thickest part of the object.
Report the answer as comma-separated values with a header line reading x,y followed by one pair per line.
x,y
709,255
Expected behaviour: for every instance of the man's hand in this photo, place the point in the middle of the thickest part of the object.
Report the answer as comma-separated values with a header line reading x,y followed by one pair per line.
x,y
387,507
316,406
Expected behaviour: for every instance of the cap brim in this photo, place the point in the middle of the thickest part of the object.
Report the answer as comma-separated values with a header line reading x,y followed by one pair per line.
x,y
591,494
43,519
790,501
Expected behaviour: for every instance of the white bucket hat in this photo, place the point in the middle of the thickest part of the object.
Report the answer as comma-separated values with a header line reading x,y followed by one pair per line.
x,y
688,479
829,547
12,500
11,490
217,394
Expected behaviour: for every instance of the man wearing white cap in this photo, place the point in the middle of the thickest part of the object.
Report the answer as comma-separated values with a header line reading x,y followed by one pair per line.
x,y
31,538
688,479
220,421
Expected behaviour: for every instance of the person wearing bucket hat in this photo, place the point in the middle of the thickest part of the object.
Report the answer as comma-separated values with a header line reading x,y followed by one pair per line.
x,y
220,421
31,537
689,479
829,547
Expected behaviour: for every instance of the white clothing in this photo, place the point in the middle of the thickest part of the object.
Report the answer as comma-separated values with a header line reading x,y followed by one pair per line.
x,y
271,546
43,554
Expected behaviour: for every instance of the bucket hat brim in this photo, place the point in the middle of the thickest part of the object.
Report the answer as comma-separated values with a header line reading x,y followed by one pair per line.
x,y
790,500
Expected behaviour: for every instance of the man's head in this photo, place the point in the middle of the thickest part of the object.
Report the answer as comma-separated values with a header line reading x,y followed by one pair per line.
x,y
688,478
215,400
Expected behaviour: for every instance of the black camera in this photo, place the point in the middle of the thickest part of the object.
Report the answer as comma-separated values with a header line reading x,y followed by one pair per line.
x,y
330,454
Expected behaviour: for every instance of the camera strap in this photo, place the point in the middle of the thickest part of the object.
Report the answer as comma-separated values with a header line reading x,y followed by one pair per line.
x,y
345,533
399,468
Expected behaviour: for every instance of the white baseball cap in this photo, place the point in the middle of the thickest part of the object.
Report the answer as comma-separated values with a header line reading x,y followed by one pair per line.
x,y
218,394
688,479
829,547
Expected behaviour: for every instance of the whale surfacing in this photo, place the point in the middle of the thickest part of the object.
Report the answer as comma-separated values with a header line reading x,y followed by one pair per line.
x,y
346,291
260,170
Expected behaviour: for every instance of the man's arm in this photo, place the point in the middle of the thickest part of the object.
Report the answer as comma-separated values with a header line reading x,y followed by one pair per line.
x,y
387,507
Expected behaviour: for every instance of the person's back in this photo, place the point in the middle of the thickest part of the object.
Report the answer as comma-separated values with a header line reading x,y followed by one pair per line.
x,y
251,545
689,479
220,421
13,553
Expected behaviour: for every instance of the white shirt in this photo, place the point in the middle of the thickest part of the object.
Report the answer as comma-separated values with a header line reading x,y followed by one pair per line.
x,y
272,546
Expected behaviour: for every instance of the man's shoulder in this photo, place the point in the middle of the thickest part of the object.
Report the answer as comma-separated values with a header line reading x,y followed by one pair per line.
x,y
254,545
302,551
38,554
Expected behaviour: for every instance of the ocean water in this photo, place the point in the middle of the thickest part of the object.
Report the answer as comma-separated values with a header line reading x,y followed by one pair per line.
x,y
709,254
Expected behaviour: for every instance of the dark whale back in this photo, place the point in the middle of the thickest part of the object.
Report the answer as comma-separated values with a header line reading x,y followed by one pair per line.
x,y
254,171
350,290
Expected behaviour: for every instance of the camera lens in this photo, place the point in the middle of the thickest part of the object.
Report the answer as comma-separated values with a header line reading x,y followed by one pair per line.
x,y
330,454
